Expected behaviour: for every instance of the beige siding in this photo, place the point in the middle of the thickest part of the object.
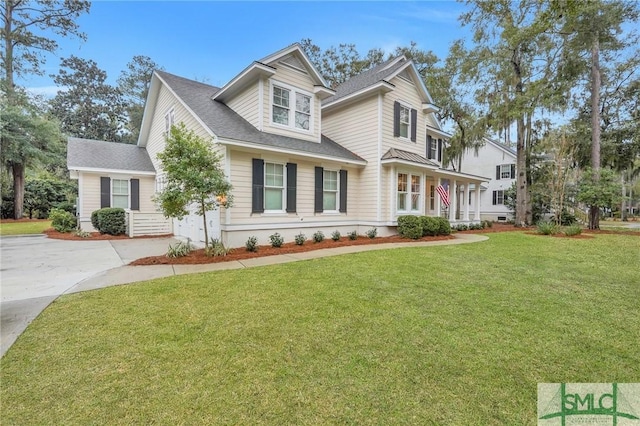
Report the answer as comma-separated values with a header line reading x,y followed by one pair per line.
x,y
298,80
89,193
166,101
147,191
242,223
356,128
407,94
246,104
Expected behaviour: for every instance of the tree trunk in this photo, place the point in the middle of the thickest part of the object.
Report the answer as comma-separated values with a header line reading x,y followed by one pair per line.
x,y
8,51
594,211
521,178
623,203
204,221
18,190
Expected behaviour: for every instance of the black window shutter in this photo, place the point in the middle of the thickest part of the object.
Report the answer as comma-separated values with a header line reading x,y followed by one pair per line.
x,y
497,173
429,152
495,197
396,119
318,193
343,191
292,170
414,124
105,192
440,150
257,198
513,171
135,194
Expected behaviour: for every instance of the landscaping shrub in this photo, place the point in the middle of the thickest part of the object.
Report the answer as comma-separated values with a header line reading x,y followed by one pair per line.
x,y
573,230
410,227
547,228
216,248
372,233
566,218
444,227
276,240
335,235
430,226
94,219
82,234
180,249
353,235
300,239
66,206
111,220
62,221
251,244
318,237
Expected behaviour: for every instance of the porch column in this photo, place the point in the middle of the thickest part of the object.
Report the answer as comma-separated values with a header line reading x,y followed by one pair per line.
x,y
437,197
453,196
476,212
466,201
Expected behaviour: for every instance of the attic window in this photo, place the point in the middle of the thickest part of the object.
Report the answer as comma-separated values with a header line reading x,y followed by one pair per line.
x,y
405,121
169,120
282,113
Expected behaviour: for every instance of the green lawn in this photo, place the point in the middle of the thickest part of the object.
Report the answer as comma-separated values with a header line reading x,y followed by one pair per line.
x,y
440,335
21,228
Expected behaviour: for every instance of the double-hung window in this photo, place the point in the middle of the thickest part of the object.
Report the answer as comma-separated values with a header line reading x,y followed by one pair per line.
x,y
291,107
405,121
408,193
330,190
505,171
120,193
498,197
273,187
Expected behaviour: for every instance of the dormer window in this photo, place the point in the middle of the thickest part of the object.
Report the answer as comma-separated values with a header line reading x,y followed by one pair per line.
x,y
298,117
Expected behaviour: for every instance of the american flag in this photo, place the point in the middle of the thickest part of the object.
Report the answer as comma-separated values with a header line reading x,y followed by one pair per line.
x,y
444,195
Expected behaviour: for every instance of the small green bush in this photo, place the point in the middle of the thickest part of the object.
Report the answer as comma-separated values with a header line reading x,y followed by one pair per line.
x,y
300,239
430,226
462,227
251,244
111,220
180,249
66,206
94,219
489,223
444,227
410,227
372,233
353,235
547,228
82,234
318,237
276,240
335,235
573,230
61,220
216,248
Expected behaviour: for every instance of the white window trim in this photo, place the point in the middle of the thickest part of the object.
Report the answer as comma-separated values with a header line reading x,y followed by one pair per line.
x,y
292,107
409,193
502,171
128,191
284,188
400,122
337,191
498,192
169,119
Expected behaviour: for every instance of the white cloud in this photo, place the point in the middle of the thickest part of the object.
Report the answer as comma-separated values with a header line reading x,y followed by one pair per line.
x,y
45,91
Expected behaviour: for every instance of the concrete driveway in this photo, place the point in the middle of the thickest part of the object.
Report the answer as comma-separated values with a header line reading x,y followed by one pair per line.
x,y
35,270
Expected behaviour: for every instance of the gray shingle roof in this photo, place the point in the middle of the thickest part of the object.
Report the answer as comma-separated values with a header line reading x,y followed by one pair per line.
x,y
227,124
89,153
366,79
399,154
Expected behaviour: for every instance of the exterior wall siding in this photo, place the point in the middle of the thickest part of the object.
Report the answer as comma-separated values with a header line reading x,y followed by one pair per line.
x,y
246,104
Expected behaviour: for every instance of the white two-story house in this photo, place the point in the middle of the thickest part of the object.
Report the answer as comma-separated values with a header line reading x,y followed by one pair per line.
x,y
301,157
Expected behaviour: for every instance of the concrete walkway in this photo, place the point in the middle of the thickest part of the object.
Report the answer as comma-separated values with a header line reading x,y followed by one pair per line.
x,y
18,312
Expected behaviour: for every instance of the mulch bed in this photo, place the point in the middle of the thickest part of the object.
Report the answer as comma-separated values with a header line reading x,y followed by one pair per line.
x,y
93,236
197,257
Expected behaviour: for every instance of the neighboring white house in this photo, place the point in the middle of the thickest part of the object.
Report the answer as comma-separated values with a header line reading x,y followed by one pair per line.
x,y
302,157
498,161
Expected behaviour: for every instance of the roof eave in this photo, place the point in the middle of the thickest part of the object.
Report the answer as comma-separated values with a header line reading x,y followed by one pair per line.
x,y
296,47
260,147
249,74
409,163
147,115
106,170
382,86
323,92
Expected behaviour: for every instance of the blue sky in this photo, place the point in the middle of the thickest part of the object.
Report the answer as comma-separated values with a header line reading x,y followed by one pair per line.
x,y
213,41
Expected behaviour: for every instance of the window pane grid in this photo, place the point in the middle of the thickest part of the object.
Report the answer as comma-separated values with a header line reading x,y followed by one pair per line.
x,y
330,190
405,115
273,186
505,171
